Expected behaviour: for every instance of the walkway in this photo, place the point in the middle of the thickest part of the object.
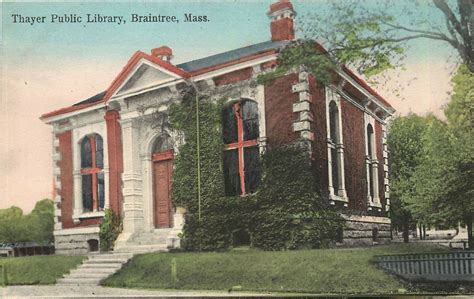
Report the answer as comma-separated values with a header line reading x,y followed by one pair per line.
x,y
52,291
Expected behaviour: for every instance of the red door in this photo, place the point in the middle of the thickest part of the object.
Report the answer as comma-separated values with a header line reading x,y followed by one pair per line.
x,y
162,174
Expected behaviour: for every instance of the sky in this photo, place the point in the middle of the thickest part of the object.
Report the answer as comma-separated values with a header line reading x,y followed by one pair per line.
x,y
47,66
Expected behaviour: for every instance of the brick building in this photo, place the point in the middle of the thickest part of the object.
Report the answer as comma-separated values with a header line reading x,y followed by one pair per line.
x,y
107,156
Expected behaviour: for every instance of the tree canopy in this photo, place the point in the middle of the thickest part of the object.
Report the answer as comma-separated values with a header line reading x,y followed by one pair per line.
x,y
35,227
432,162
373,36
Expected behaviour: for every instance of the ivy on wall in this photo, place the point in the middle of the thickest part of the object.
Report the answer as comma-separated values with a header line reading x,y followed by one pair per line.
x,y
286,213
213,230
306,53
291,214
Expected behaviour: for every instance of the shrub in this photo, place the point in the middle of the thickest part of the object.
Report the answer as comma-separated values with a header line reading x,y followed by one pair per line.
x,y
110,228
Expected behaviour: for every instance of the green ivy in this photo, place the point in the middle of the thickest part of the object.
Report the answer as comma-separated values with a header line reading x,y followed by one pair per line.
x,y
316,61
214,230
110,228
291,214
286,213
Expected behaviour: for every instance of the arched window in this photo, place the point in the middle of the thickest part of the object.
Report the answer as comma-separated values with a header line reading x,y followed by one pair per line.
x,y
335,148
162,143
241,153
92,164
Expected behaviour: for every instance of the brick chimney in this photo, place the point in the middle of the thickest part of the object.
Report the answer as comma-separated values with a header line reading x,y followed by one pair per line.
x,y
164,53
282,14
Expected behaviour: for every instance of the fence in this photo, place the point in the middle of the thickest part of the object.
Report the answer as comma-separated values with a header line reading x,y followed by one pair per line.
x,y
451,266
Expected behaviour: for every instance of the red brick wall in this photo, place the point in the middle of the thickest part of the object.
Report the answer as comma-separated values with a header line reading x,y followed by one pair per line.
x,y
115,153
279,115
320,152
353,134
379,145
282,29
240,75
67,182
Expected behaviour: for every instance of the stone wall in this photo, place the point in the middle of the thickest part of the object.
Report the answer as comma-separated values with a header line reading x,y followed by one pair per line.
x,y
74,243
360,232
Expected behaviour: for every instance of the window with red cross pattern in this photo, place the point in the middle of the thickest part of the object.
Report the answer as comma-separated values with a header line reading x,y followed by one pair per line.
x,y
92,164
241,152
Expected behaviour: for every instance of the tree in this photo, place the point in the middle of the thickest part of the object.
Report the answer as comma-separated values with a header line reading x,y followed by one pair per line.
x,y
433,164
12,228
35,227
42,217
373,36
406,154
459,167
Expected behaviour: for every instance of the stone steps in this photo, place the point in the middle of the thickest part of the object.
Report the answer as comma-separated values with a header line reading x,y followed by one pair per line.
x,y
145,242
96,268
135,249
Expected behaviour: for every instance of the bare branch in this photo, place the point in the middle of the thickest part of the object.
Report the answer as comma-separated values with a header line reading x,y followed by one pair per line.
x,y
400,27
393,40
443,6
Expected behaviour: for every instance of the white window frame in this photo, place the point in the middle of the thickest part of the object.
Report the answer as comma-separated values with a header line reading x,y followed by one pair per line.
x,y
340,194
371,164
79,133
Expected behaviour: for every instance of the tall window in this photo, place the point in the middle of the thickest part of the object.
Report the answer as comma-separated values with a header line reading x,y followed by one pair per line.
x,y
370,142
241,153
333,144
372,168
92,164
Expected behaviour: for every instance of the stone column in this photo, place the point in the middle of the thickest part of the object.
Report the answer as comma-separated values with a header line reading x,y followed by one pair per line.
x,y
132,179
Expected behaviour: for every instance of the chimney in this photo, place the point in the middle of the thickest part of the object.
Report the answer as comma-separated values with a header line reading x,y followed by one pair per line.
x,y
164,53
282,14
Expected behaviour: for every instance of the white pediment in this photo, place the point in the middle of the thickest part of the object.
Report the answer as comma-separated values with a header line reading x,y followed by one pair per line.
x,y
144,76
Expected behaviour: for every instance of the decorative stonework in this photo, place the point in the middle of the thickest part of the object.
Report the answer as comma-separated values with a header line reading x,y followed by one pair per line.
x,y
304,119
385,155
57,183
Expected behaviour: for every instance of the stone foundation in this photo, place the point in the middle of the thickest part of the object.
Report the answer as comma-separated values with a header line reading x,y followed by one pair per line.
x,y
75,241
365,231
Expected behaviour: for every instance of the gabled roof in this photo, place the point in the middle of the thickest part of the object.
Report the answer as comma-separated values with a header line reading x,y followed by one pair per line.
x,y
132,62
94,99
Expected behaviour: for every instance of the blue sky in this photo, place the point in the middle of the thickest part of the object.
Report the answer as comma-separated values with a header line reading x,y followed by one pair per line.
x,y
232,24
49,66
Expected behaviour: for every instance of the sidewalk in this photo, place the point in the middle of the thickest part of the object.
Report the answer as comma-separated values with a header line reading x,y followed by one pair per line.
x,y
52,291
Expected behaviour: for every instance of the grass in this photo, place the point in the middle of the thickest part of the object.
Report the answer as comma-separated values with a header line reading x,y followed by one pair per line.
x,y
38,269
325,271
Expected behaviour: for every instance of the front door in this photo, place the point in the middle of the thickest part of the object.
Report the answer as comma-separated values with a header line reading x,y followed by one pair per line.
x,y
162,174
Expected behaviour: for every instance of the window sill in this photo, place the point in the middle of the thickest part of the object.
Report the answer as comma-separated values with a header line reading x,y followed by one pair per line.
x,y
333,198
374,205
92,215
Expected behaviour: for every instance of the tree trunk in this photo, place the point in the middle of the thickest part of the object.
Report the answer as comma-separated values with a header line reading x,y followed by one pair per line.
x,y
405,231
470,237
421,231
424,232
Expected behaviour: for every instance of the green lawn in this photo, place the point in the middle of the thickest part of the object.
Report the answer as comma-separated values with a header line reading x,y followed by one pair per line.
x,y
38,269
325,271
